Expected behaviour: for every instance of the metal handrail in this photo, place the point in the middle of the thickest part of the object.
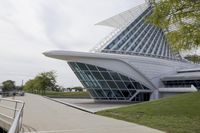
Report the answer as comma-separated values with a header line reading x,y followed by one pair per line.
x,y
10,100
16,119
6,107
17,123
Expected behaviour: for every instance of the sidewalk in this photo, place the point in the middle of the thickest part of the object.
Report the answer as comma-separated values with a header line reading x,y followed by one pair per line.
x,y
42,115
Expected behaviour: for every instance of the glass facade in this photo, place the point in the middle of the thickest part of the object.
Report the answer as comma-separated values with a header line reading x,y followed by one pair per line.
x,y
105,84
141,38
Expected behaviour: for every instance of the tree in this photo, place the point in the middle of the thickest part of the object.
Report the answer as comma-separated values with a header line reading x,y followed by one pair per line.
x,y
183,16
29,86
8,85
46,81
42,82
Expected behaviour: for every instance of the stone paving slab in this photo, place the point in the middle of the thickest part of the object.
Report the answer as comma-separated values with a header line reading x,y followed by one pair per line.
x,y
42,115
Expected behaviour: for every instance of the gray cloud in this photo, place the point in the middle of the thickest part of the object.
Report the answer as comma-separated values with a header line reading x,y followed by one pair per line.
x,y
30,27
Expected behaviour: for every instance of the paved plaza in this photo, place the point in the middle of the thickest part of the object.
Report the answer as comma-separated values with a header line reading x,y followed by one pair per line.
x,y
42,115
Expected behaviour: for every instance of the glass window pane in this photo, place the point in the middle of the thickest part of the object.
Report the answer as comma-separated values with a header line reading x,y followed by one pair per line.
x,y
101,69
124,78
112,84
78,75
109,94
89,75
132,92
126,93
100,93
117,93
114,75
92,93
137,85
84,76
92,68
129,85
103,84
87,83
82,66
121,85
97,75
106,75
75,67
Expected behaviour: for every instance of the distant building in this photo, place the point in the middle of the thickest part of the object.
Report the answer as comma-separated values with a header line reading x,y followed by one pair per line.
x,y
135,63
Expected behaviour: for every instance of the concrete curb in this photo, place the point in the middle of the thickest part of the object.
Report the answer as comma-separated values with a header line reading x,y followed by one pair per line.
x,y
71,105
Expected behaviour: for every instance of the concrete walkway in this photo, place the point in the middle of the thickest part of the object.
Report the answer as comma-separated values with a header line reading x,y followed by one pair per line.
x,y
42,115
89,105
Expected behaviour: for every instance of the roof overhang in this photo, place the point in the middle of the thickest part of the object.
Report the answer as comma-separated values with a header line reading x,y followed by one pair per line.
x,y
70,55
113,62
179,90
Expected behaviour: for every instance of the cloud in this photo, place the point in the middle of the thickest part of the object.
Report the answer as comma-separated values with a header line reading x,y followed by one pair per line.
x,y
30,27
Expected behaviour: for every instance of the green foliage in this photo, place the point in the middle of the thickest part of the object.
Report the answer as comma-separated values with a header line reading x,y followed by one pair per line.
x,y
42,82
193,58
29,86
177,114
8,85
182,14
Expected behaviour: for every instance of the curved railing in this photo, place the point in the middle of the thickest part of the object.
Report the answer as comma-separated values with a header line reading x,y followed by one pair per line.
x,y
11,114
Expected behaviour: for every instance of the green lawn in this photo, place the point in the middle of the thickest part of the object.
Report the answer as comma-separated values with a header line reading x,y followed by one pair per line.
x,y
178,114
67,94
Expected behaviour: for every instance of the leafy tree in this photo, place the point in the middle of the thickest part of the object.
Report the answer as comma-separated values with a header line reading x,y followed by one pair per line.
x,y
8,85
42,82
46,81
29,86
181,21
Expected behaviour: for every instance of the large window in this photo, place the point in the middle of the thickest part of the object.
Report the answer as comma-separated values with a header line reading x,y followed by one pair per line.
x,y
106,84
182,83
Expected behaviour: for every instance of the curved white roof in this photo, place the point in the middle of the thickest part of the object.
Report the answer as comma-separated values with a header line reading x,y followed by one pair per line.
x,y
124,18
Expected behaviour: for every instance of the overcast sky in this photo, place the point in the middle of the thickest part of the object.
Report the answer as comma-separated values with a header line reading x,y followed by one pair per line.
x,y
30,27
